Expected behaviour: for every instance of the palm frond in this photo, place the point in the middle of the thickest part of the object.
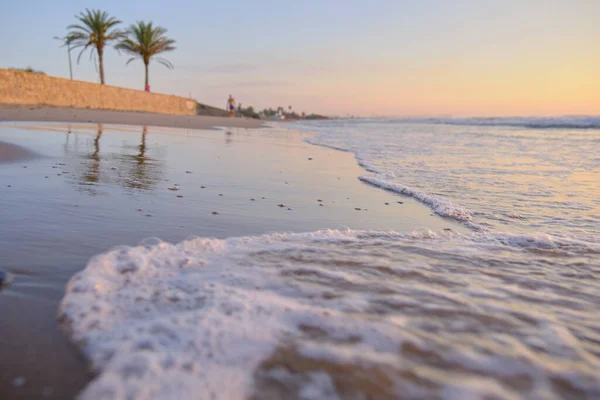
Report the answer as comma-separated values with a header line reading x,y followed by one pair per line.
x,y
94,28
144,40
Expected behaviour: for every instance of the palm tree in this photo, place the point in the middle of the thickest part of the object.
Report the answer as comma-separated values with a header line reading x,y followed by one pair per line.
x,y
145,41
95,30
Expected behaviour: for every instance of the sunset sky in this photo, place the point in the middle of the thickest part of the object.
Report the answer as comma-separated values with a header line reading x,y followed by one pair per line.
x,y
393,57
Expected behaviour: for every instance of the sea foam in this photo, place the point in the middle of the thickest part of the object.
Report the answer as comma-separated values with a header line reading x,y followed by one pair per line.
x,y
335,314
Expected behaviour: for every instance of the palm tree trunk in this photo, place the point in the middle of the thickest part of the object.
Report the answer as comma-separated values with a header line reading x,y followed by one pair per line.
x,y
101,64
146,85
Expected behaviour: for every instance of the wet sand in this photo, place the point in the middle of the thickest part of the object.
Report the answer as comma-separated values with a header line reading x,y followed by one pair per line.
x,y
55,114
13,153
99,186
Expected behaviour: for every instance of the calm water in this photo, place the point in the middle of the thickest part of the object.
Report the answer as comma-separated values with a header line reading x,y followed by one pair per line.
x,y
509,308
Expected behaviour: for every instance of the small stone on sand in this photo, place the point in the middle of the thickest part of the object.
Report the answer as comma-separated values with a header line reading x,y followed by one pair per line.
x,y
139,209
179,196
188,172
309,158
321,205
148,215
400,202
387,204
252,199
215,213
447,229
281,205
9,186
173,188
220,194
202,187
319,200
358,209
4,278
19,381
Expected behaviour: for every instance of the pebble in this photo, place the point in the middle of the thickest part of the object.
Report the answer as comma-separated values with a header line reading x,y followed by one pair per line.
x,y
46,177
252,199
3,278
289,209
148,215
174,188
19,381
321,205
24,166
179,196
281,205
387,204
320,201
202,187
215,213
400,202
220,194
310,158
358,209
188,172
139,209
447,229
9,186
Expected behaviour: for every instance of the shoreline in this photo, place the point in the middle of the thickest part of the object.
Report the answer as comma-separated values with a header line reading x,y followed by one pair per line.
x,y
92,182
10,113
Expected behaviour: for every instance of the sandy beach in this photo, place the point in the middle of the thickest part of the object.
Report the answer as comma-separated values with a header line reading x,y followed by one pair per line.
x,y
73,115
98,185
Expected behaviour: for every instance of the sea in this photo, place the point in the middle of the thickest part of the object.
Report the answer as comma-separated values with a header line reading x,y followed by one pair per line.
x,y
508,309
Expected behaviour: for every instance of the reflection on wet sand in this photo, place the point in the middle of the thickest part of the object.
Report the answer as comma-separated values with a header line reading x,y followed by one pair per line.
x,y
133,171
143,171
93,173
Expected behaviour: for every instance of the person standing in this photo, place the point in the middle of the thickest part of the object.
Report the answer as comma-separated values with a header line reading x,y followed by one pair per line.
x,y
148,87
231,106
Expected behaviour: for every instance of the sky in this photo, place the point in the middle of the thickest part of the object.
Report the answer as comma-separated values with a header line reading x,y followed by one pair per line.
x,y
339,57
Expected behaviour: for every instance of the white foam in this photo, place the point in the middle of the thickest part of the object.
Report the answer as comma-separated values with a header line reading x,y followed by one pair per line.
x,y
192,320
199,318
439,205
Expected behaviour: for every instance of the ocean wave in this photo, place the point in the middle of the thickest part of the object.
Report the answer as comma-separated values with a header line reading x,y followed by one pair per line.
x,y
568,122
339,314
439,205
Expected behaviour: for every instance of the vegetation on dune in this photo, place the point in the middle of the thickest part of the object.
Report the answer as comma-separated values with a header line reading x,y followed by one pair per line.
x,y
29,69
95,30
144,41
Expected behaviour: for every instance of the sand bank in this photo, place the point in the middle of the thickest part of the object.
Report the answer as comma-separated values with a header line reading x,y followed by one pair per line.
x,y
13,153
25,113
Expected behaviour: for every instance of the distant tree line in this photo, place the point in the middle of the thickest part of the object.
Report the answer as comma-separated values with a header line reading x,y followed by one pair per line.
x,y
270,113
